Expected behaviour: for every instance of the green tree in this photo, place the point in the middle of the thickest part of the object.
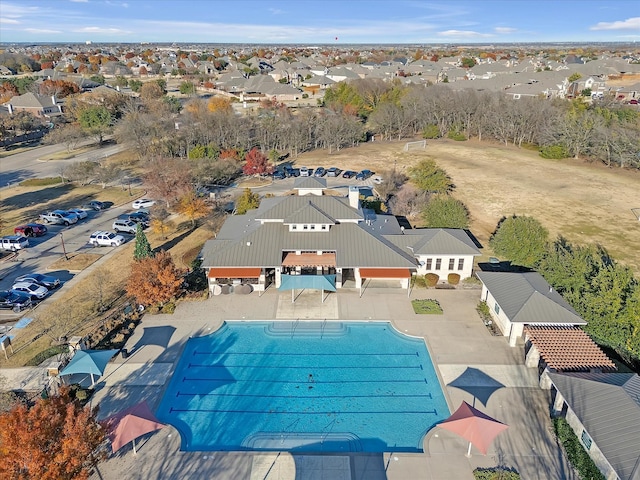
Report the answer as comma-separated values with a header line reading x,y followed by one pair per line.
x,y
95,120
444,211
142,248
247,201
574,77
187,88
523,240
467,62
427,176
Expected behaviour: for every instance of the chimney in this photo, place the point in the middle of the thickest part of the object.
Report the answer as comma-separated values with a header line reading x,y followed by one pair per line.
x,y
354,197
10,108
53,100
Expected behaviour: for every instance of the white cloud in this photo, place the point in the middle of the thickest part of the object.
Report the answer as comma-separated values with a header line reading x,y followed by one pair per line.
x,y
38,31
108,31
505,30
276,11
9,20
464,34
79,1
628,24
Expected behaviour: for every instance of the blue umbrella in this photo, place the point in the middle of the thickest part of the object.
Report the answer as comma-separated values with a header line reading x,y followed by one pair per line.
x,y
92,362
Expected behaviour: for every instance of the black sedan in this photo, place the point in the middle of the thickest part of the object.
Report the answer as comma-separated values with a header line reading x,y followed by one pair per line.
x,y
364,174
44,280
320,171
15,301
348,174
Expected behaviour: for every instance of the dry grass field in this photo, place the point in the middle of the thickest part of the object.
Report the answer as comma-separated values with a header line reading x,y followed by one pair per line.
x,y
581,201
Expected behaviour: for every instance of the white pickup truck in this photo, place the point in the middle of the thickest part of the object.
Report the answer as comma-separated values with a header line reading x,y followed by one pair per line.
x,y
59,217
105,239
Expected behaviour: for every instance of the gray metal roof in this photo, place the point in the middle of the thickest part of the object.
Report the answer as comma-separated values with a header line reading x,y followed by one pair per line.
x,y
608,406
264,246
280,208
309,214
528,298
436,241
309,183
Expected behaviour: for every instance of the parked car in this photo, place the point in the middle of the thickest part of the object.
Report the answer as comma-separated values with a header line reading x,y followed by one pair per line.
x,y
15,301
633,102
136,217
143,203
320,172
94,205
30,230
378,180
125,226
348,174
44,280
60,217
333,172
304,172
364,174
82,214
37,292
105,239
278,175
13,242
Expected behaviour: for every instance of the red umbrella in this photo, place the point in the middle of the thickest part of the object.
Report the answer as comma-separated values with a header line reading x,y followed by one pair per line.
x,y
129,424
475,426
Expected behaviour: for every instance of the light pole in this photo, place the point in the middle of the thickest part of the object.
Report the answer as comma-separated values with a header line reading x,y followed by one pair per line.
x,y
63,247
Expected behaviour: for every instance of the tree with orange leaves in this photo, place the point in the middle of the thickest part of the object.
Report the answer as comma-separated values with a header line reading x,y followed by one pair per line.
x,y
219,104
155,280
193,207
55,439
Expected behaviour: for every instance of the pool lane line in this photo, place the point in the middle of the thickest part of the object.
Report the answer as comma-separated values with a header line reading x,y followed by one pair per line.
x,y
285,354
316,382
180,394
309,367
288,412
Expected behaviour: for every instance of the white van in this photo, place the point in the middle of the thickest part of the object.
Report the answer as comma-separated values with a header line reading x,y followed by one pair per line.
x,y
13,242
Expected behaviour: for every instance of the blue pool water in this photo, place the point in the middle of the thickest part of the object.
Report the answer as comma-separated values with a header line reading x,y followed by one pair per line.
x,y
304,386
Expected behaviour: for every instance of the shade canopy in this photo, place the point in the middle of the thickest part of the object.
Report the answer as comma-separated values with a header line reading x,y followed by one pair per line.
x,y
312,282
473,425
89,361
477,383
129,424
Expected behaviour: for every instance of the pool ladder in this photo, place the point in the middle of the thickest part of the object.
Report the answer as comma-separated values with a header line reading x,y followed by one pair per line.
x,y
294,326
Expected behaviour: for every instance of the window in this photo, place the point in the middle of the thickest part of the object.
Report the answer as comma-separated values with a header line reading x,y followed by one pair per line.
x,y
294,227
452,263
461,264
496,307
586,440
324,227
429,263
305,227
438,263
313,227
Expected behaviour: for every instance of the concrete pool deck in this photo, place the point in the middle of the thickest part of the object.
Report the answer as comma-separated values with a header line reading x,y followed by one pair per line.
x,y
457,340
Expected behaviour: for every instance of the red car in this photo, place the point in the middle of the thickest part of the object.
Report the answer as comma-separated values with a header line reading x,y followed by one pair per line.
x,y
30,230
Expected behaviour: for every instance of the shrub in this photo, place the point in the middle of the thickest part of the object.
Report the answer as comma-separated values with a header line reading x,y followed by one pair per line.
x,y
577,455
168,307
555,152
453,278
444,211
431,279
484,312
431,132
457,136
305,95
41,182
44,355
496,473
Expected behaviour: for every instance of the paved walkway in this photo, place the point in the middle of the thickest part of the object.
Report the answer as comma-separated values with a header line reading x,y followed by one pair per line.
x,y
485,369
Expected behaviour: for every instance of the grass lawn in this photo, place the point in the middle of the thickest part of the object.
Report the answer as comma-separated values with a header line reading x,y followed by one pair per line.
x,y
75,261
426,307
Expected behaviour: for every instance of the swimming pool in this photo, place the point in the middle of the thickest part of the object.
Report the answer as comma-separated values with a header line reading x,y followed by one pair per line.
x,y
304,386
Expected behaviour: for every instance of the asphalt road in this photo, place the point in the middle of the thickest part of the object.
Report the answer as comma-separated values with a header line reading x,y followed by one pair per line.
x,y
24,165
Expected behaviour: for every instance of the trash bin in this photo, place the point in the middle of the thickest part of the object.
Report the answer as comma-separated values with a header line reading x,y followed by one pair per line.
x,y
124,353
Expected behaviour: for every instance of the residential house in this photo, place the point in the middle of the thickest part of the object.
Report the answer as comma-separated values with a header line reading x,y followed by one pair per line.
x,y
516,300
38,105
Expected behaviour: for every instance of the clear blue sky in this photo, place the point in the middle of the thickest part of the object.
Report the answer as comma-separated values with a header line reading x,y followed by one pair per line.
x,y
319,21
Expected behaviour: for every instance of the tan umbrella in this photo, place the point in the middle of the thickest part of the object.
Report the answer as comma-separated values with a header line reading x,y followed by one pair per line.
x,y
473,425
